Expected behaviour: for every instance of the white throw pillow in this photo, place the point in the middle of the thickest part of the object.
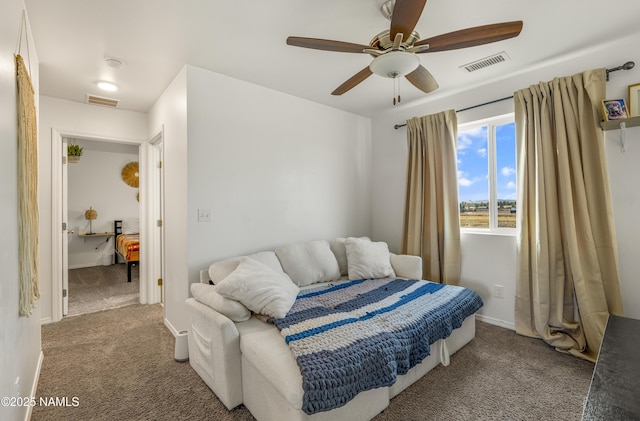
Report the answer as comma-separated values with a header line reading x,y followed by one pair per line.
x,y
260,288
131,226
310,262
220,270
339,250
367,259
207,295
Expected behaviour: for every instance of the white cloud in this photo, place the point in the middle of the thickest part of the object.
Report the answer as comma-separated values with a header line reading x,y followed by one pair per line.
x,y
467,137
507,171
482,152
511,185
463,181
464,142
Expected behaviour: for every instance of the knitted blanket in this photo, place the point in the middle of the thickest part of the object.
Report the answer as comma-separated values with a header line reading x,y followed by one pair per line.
x,y
360,335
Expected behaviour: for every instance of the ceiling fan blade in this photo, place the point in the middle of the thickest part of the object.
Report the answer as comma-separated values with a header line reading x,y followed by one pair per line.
x,y
471,37
406,14
327,45
422,79
353,81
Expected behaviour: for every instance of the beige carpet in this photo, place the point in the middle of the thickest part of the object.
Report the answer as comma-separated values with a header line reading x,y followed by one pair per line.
x,y
119,364
99,288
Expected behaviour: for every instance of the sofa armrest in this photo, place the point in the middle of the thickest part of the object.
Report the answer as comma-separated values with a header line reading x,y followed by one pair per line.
x,y
214,352
406,266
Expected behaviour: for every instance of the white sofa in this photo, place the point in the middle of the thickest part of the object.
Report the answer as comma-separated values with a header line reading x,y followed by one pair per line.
x,y
248,362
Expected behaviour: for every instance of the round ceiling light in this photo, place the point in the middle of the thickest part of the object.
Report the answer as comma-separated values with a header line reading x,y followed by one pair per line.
x,y
107,86
394,64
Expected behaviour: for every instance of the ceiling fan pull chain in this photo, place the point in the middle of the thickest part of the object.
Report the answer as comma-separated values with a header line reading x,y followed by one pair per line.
x,y
398,90
394,91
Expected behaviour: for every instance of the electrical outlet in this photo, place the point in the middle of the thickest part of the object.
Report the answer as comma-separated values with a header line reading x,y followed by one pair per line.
x,y
498,291
204,215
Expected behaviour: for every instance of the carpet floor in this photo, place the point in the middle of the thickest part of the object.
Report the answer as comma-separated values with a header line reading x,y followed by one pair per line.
x,y
100,288
120,365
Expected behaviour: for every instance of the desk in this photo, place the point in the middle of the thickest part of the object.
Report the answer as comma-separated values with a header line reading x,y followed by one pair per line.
x,y
614,393
106,235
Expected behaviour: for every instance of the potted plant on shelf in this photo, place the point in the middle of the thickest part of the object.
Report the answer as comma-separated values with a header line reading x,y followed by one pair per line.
x,y
74,152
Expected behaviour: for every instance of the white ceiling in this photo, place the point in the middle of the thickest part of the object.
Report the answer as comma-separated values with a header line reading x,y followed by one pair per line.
x,y
245,39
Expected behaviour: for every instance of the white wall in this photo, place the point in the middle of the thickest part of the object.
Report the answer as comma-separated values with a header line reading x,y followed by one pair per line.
x,y
170,113
489,260
96,182
272,168
91,121
624,173
20,348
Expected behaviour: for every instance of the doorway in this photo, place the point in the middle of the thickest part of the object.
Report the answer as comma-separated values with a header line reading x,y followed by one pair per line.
x,y
97,194
69,226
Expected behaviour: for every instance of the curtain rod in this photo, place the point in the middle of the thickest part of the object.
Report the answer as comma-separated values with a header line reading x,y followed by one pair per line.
x,y
627,66
397,126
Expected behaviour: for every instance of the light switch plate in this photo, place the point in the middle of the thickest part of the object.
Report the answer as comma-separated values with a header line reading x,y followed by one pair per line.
x,y
204,215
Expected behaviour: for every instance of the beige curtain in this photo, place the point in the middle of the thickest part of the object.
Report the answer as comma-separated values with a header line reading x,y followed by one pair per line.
x,y
432,219
566,239
27,191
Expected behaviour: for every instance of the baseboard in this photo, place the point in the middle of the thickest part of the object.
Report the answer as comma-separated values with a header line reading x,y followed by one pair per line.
x,y
172,329
34,386
70,267
496,322
86,265
46,321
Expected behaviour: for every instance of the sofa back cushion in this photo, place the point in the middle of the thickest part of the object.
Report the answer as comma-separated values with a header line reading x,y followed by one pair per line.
x,y
310,262
339,250
220,270
367,259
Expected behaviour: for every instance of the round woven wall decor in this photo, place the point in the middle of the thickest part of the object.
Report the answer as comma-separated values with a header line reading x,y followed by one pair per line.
x,y
130,174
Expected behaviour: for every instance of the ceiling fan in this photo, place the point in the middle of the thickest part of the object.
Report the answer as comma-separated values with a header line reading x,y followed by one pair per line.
x,y
395,50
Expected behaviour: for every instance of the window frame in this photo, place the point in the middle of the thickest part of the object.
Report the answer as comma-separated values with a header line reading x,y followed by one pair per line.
x,y
492,172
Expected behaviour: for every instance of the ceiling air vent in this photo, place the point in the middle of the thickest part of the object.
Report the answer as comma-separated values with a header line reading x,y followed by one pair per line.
x,y
485,62
100,100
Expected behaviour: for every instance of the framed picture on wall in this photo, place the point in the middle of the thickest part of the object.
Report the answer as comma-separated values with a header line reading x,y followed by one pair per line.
x,y
634,100
614,109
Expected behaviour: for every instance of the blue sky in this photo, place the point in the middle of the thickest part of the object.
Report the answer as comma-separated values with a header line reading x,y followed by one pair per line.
x,y
473,163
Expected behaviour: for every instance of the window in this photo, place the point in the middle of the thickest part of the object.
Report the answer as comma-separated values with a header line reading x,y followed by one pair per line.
x,y
487,174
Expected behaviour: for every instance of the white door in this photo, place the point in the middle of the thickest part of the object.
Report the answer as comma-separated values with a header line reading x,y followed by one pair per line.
x,y
65,234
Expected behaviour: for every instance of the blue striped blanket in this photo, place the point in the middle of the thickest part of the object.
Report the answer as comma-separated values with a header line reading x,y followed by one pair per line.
x,y
360,335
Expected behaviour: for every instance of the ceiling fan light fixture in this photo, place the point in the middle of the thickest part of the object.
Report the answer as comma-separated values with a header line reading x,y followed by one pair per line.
x,y
394,64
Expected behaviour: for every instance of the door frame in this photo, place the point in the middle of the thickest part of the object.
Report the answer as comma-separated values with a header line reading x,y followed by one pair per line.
x,y
64,247
152,205
57,215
